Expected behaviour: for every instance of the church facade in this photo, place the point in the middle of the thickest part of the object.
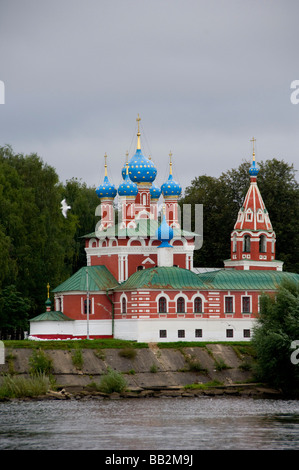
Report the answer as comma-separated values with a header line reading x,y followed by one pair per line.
x,y
139,282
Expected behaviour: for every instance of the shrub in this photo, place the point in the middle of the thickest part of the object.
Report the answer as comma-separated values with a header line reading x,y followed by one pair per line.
x,y
220,365
111,382
129,353
40,363
154,369
77,358
19,387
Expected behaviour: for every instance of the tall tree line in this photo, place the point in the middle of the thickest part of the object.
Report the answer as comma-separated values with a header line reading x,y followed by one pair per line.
x,y
37,244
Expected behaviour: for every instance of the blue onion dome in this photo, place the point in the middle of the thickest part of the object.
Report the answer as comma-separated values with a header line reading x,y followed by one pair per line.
x,y
128,187
171,187
124,168
253,170
141,169
106,190
155,192
164,233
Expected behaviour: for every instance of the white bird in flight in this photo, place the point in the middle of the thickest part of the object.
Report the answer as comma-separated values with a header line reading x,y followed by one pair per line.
x,y
64,208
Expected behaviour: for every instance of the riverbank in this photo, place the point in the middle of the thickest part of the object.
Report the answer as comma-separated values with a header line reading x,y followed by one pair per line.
x,y
153,370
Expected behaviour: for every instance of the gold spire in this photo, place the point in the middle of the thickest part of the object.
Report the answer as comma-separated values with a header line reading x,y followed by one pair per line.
x,y
48,288
138,134
105,156
127,168
170,163
253,153
127,156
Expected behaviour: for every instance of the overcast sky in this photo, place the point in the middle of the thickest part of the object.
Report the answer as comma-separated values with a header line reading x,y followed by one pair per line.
x,y
205,77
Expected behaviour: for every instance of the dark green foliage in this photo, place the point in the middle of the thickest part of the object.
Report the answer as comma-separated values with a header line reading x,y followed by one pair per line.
x,y
278,327
37,244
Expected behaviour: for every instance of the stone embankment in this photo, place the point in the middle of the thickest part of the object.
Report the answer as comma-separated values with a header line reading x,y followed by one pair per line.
x,y
149,372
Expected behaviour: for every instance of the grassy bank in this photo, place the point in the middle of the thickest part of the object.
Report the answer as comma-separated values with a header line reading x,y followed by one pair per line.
x,y
72,344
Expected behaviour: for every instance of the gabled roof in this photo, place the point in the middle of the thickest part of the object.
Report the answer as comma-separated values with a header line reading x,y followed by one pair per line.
x,y
99,279
51,316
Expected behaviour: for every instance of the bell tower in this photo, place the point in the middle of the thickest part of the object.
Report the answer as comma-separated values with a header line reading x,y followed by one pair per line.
x,y
253,238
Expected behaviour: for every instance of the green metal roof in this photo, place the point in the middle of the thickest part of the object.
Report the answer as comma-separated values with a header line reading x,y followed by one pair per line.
x,y
51,316
162,278
223,279
233,279
145,228
99,279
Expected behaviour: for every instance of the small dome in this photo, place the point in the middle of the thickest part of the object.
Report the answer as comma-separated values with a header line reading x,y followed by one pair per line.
x,y
164,233
106,189
171,187
253,170
128,188
155,192
141,169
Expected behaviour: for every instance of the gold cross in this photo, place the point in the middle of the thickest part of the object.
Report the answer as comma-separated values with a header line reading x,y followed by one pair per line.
x,y
48,287
253,140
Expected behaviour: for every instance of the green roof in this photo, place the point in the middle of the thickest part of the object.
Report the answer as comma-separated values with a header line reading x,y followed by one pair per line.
x,y
233,279
99,279
162,278
222,279
51,316
145,228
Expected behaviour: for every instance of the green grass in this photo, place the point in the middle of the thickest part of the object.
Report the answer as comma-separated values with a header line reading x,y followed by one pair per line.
x,y
77,358
108,343
21,387
214,383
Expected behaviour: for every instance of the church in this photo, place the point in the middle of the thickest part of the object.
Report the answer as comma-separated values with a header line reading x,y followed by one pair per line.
x,y
139,282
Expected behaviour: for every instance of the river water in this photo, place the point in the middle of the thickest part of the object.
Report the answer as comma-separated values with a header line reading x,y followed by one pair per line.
x,y
150,424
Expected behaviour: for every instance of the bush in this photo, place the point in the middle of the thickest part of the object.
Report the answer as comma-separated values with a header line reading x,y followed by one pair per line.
x,y
111,382
277,328
19,387
40,363
77,358
129,353
221,365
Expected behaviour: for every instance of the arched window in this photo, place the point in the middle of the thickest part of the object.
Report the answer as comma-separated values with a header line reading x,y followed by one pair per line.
x,y
162,305
197,305
234,243
246,244
263,244
181,305
124,305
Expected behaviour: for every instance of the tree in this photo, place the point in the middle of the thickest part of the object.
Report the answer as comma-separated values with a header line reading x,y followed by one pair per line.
x,y
14,310
277,328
